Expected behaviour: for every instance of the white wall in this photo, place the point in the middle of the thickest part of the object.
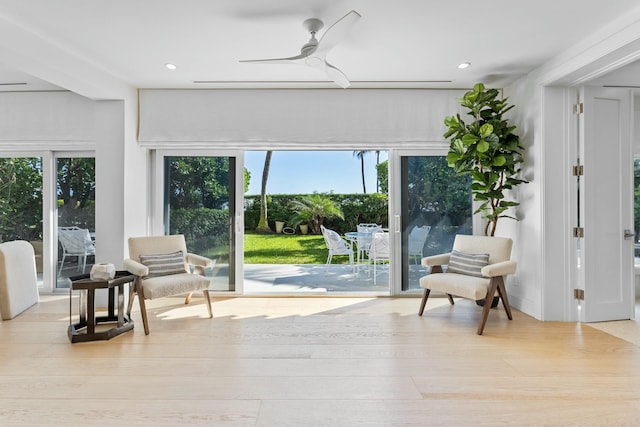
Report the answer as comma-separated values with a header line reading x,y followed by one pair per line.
x,y
524,289
53,121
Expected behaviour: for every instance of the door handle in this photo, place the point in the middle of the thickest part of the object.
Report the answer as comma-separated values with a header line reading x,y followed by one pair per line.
x,y
628,234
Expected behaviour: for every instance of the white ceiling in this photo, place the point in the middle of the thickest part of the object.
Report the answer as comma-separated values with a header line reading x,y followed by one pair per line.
x,y
97,47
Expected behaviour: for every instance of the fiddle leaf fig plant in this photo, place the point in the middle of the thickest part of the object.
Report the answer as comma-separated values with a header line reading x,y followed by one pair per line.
x,y
487,149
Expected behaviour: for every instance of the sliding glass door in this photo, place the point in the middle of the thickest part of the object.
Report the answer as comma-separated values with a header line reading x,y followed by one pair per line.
x,y
21,204
76,209
436,205
198,198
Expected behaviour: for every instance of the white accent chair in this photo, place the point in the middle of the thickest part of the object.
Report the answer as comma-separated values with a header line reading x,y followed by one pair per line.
x,y
417,238
379,252
18,278
173,277
469,280
336,245
76,242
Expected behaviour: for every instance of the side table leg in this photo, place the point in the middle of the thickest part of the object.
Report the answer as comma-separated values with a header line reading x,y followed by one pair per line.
x,y
91,312
121,304
111,307
82,307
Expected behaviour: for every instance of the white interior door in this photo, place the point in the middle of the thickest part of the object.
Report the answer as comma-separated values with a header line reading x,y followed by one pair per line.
x,y
606,204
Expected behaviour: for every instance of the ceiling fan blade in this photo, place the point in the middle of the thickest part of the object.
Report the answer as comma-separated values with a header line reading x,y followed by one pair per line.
x,y
337,76
335,33
277,60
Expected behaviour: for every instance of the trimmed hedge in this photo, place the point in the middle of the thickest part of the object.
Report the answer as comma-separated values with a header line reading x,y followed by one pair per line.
x,y
203,228
356,208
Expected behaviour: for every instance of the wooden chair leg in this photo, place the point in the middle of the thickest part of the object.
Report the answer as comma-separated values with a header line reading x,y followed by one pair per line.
x,y
187,300
451,301
143,312
132,295
208,301
502,291
133,291
493,285
425,297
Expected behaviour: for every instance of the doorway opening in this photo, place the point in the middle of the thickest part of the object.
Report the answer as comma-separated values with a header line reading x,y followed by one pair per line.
x,y
312,197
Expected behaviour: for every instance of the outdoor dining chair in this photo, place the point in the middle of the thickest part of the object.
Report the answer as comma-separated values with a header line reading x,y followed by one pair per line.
x,y
379,252
75,242
363,240
336,245
417,239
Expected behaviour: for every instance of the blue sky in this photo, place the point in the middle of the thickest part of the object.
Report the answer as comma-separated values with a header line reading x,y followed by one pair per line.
x,y
298,172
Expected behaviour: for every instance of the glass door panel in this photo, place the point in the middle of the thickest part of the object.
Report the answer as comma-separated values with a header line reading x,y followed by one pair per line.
x,y
21,204
436,205
76,203
199,202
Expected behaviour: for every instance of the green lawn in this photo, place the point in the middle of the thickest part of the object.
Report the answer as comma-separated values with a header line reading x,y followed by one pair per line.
x,y
286,249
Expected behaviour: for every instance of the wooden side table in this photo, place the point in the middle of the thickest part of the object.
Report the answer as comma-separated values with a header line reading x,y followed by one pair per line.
x,y
85,329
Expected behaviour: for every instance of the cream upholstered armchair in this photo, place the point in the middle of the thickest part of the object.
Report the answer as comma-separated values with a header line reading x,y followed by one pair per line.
x,y
161,265
476,269
18,281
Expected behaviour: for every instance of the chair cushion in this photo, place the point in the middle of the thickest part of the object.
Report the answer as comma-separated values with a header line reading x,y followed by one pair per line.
x,y
173,284
465,263
163,264
460,285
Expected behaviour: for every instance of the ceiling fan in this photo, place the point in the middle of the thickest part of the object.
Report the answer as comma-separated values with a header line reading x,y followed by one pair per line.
x,y
314,52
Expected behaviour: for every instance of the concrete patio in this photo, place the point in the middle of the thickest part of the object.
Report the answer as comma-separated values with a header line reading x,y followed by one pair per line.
x,y
318,278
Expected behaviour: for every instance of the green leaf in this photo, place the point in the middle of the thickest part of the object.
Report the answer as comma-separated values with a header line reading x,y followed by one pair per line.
x,y
499,161
508,204
486,130
457,146
451,121
469,139
452,158
483,146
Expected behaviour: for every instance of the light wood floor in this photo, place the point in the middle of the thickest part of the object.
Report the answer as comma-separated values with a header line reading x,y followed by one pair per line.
x,y
316,362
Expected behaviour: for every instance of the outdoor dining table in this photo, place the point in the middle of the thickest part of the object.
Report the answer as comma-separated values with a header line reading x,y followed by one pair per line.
x,y
360,239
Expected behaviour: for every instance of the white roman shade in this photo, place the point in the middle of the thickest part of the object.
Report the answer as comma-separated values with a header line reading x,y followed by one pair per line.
x,y
283,117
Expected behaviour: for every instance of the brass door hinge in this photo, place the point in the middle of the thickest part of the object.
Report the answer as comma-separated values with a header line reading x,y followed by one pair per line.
x,y
578,232
578,294
578,170
578,108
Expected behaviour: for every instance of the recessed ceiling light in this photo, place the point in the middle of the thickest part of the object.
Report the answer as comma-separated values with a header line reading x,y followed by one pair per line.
x,y
464,65
170,66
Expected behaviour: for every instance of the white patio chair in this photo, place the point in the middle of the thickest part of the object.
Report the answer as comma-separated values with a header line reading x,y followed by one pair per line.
x,y
379,252
75,242
336,245
363,242
417,239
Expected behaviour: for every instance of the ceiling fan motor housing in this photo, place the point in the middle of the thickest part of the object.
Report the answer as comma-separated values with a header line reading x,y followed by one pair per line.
x,y
313,25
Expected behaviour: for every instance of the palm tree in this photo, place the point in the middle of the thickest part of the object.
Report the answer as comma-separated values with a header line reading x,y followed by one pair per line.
x,y
316,208
360,155
263,223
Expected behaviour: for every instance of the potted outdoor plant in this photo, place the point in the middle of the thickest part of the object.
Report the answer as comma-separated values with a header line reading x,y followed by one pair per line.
x,y
487,149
